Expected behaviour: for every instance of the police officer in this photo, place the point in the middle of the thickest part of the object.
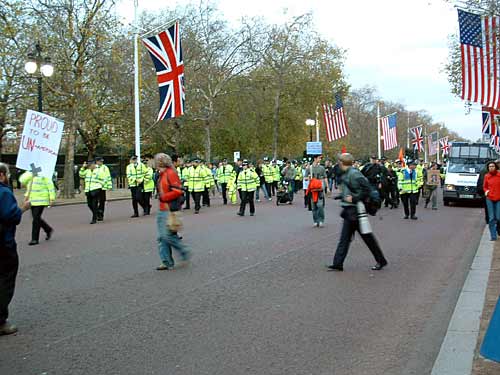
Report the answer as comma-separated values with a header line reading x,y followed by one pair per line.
x,y
197,182
93,186
108,185
149,185
268,177
41,194
224,173
408,187
135,177
247,184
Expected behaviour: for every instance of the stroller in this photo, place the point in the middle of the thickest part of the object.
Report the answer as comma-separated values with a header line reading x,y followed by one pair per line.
x,y
283,193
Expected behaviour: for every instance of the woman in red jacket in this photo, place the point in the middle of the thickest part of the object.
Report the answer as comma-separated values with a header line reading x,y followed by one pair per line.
x,y
169,188
491,188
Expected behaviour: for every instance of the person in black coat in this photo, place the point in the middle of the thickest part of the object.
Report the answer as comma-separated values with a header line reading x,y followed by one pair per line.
x,y
10,217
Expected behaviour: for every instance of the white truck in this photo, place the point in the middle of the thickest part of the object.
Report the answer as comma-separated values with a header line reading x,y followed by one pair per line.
x,y
465,162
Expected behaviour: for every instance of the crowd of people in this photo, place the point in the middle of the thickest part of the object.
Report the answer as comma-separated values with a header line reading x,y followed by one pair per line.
x,y
178,184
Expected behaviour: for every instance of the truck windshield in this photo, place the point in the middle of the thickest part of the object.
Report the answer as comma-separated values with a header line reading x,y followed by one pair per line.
x,y
465,166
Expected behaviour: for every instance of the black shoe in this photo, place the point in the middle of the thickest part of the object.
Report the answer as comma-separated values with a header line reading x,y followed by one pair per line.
x,y
33,242
100,219
146,213
7,329
135,215
406,217
379,266
252,214
48,235
93,222
335,268
240,214
414,218
197,211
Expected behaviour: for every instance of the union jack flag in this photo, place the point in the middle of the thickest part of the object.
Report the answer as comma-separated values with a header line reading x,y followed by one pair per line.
x,y
445,146
166,53
418,139
490,121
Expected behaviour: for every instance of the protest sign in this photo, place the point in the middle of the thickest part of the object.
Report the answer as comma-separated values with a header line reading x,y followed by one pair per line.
x,y
40,143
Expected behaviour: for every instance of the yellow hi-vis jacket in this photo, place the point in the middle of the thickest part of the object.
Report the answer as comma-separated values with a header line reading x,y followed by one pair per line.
x,y
42,191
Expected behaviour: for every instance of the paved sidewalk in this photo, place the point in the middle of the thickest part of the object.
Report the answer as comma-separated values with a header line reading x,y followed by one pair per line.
x,y
481,365
111,195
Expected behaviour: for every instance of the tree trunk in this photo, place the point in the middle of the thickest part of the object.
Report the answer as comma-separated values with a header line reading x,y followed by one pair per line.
x,y
208,142
276,121
69,182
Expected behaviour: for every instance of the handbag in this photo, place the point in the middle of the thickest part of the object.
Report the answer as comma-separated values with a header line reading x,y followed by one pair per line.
x,y
174,223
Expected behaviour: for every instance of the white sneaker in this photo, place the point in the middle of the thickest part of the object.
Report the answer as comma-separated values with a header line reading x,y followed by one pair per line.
x,y
321,225
316,225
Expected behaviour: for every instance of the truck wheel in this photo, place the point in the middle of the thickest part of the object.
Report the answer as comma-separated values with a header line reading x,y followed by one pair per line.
x,y
446,202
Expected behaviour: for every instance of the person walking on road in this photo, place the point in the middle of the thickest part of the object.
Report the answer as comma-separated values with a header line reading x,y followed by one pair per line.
x,y
149,185
108,185
10,217
491,189
224,173
93,186
431,187
318,185
354,188
247,183
135,176
170,189
41,194
409,187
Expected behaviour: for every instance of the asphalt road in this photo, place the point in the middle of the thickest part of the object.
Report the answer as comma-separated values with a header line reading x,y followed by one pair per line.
x,y
255,300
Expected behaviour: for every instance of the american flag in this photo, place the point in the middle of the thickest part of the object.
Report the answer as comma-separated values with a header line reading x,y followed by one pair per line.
x,y
490,121
418,139
445,146
335,120
166,53
432,141
388,124
480,58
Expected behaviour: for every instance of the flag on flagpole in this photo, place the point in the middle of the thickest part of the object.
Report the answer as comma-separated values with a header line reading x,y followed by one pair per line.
x,y
418,139
401,157
166,52
480,58
388,125
432,141
335,120
445,146
491,119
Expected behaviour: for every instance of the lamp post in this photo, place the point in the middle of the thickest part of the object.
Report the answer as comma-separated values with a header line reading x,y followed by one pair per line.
x,y
310,123
44,67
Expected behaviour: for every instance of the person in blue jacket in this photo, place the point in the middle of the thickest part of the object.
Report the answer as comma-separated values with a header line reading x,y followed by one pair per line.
x,y
10,217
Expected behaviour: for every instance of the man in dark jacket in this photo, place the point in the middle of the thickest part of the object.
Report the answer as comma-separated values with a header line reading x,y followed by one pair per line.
x,y
10,217
355,187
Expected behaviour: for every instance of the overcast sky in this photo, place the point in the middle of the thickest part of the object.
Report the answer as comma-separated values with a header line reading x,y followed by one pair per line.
x,y
397,46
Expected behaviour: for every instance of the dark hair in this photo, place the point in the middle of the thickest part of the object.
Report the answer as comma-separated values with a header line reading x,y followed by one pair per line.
x,y
491,162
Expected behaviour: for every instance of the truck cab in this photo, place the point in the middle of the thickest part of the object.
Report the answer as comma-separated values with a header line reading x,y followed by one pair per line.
x,y
465,163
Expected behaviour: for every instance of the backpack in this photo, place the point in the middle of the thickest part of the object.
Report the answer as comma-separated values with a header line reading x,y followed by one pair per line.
x,y
372,201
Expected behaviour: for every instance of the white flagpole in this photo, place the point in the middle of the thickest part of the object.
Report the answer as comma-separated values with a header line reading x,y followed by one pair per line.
x,y
408,132
378,131
136,84
317,125
438,144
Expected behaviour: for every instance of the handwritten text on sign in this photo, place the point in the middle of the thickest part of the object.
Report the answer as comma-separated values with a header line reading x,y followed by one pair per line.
x,y
40,142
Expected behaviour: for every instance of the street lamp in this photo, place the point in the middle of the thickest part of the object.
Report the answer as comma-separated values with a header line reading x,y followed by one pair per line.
x,y
310,123
46,69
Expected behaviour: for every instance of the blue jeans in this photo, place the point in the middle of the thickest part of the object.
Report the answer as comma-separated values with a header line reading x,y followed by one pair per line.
x,y
168,240
318,209
493,217
264,190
